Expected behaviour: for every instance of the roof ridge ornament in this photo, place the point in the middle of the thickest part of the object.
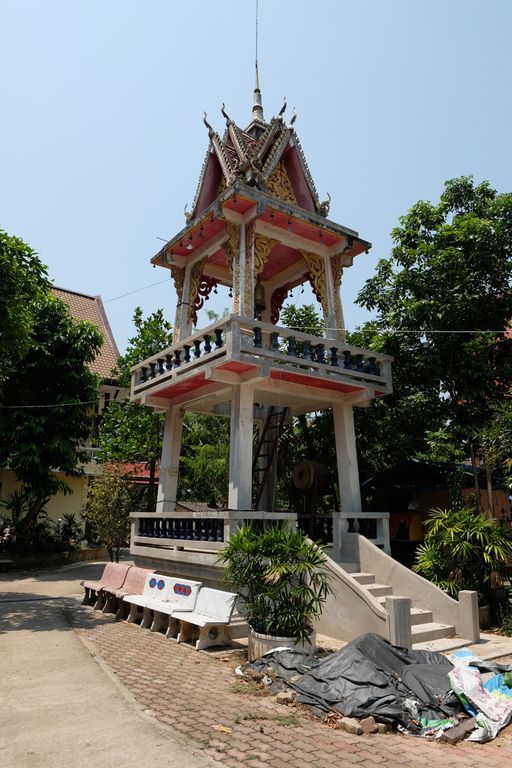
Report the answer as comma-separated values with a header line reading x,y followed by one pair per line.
x,y
225,115
282,110
210,129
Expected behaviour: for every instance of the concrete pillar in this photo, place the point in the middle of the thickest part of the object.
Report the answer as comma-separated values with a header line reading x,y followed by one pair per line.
x,y
399,621
182,323
240,447
468,622
330,317
348,471
170,463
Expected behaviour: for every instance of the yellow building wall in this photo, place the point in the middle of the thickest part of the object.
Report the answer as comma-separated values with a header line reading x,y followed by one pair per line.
x,y
58,505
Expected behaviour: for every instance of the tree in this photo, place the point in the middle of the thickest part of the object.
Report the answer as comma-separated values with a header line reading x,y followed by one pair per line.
x,y
47,398
130,432
443,302
110,500
22,280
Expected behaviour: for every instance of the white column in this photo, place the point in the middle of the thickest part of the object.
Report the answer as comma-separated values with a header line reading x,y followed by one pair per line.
x,y
241,270
240,447
170,463
348,471
330,318
183,324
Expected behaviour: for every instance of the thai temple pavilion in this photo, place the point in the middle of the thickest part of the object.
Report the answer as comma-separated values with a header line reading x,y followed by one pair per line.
x,y
258,227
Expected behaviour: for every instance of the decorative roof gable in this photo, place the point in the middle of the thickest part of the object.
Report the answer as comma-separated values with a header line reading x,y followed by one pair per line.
x,y
267,156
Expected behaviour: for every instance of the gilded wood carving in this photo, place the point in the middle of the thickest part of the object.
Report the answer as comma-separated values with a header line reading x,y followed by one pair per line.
x,y
262,247
280,186
195,278
316,268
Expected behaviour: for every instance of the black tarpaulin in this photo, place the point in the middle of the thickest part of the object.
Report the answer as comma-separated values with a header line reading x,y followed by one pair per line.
x,y
369,676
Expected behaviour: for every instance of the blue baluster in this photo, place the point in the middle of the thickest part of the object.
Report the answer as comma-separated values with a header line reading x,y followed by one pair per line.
x,y
186,352
360,362
152,367
292,346
160,362
177,356
143,374
158,529
168,362
189,530
218,338
306,354
371,365
320,353
257,338
347,361
207,344
220,530
334,357
141,526
274,341
197,347
173,528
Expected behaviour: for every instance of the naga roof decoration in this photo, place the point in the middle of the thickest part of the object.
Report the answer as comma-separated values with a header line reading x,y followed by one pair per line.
x,y
252,155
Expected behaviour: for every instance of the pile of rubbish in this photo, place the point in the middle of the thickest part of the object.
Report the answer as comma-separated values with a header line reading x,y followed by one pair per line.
x,y
420,692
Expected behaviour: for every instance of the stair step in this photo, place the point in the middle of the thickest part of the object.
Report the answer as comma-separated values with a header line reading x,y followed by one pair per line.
x,y
348,567
420,616
422,633
379,590
364,578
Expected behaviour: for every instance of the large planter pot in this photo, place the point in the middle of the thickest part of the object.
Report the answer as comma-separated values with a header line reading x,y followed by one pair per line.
x,y
260,644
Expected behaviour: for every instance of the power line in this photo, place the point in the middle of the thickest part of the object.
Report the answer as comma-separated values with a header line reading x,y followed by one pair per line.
x,y
51,405
137,290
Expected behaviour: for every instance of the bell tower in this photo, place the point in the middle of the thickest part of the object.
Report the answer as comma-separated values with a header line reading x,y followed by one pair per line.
x,y
258,227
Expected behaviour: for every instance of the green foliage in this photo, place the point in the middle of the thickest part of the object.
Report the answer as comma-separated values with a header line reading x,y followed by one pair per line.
x,y
443,302
204,472
110,500
48,397
129,432
304,319
22,281
463,549
496,441
152,335
282,577
505,621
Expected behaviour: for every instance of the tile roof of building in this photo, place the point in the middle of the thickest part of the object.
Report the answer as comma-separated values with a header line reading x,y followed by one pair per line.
x,y
84,307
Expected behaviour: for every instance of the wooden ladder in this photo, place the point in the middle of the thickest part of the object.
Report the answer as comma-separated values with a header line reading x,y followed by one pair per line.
x,y
266,448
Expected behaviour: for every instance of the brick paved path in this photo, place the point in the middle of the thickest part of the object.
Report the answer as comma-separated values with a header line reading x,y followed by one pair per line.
x,y
196,694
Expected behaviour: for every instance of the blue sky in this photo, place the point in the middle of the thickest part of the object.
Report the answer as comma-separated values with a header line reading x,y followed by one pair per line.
x,y
102,140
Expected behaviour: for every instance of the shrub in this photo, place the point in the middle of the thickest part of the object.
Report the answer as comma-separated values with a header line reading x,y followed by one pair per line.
x,y
463,549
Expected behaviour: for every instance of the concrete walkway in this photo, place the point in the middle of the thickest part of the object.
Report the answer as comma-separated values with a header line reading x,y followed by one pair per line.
x,y
60,708
79,689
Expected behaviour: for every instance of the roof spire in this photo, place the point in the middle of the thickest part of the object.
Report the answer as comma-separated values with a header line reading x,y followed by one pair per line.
x,y
257,108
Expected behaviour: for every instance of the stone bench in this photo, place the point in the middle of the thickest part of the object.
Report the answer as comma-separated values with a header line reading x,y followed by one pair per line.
x,y
133,585
208,620
113,577
160,597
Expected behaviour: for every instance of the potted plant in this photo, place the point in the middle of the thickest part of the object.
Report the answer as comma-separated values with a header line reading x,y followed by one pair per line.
x,y
281,576
464,549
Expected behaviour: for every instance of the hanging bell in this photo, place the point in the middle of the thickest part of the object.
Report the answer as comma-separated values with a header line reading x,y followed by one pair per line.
x,y
259,297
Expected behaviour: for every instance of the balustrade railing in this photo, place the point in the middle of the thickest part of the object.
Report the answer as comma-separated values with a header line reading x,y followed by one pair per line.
x,y
181,529
239,338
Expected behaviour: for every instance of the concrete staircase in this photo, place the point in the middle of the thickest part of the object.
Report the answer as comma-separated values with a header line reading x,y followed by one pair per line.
x,y
423,628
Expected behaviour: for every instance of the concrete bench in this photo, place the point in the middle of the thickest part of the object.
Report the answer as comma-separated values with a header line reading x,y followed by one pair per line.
x,y
133,585
211,615
181,595
154,585
113,577
161,596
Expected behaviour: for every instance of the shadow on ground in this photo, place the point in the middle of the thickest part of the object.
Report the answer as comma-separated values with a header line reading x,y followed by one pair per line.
x,y
33,614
